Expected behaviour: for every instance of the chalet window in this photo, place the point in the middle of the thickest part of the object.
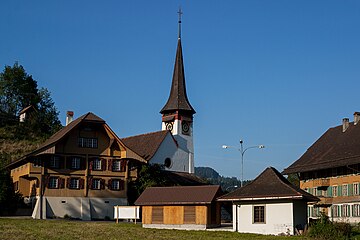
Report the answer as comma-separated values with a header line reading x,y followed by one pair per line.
x,y
345,190
356,189
74,183
356,210
96,184
116,184
96,164
258,214
118,165
345,210
157,214
54,162
335,209
53,182
87,142
334,191
189,214
75,163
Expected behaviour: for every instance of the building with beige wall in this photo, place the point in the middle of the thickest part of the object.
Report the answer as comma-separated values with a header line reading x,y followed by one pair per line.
x,y
330,170
82,171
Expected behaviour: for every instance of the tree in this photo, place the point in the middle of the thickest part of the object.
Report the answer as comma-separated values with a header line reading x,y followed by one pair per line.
x,y
19,90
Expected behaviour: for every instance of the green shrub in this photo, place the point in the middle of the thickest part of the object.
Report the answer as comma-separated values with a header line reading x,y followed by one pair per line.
x,y
324,229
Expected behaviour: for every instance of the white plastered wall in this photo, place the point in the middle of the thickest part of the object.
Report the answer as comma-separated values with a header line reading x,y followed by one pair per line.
x,y
278,218
78,207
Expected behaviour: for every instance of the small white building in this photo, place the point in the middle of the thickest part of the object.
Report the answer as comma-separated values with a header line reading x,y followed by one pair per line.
x,y
269,205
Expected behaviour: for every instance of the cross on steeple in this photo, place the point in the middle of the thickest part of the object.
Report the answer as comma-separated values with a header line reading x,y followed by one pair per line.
x,y
180,13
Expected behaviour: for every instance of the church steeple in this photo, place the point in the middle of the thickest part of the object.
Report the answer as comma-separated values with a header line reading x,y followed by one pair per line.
x,y
178,100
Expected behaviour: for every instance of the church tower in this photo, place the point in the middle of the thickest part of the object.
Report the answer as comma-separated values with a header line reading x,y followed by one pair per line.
x,y
177,114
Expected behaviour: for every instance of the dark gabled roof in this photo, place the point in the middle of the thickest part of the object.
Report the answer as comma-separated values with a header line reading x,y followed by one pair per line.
x,y
146,145
88,117
183,179
179,195
178,100
334,148
270,184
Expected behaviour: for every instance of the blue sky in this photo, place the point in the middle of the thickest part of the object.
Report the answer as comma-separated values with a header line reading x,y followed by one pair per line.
x,y
278,73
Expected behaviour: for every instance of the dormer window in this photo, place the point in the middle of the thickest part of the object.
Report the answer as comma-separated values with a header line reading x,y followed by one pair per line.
x,y
87,142
54,162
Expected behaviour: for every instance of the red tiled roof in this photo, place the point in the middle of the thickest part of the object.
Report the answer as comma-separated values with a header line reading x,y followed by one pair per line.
x,y
334,148
270,184
179,195
146,145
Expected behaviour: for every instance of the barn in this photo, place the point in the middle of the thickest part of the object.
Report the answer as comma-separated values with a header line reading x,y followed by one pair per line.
x,y
180,207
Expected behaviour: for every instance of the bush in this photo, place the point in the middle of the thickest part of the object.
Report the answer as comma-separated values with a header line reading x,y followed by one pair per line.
x,y
324,229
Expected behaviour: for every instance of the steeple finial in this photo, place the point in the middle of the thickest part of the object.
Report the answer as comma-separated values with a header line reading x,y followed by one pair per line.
x,y
179,22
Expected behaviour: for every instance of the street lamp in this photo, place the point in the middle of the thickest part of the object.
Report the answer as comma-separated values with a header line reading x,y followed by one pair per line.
x,y
242,152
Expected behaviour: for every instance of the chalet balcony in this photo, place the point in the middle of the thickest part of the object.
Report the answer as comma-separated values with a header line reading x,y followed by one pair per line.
x,y
321,182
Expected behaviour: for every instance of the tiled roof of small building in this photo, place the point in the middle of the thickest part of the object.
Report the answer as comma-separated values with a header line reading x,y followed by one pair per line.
x,y
146,145
334,148
179,195
270,184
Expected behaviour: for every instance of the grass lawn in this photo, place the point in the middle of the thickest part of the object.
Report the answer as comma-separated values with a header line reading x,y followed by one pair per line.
x,y
66,229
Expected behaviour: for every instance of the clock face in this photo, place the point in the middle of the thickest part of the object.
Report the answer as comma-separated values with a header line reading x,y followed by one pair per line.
x,y
169,126
185,127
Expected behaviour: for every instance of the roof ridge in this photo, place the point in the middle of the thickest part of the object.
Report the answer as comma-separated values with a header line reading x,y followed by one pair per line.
x,y
145,134
284,181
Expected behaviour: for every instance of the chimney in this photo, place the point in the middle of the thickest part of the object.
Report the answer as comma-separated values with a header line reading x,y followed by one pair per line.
x,y
345,124
69,117
356,117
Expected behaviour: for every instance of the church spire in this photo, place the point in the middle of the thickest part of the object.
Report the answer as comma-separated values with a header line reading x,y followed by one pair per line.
x,y
178,100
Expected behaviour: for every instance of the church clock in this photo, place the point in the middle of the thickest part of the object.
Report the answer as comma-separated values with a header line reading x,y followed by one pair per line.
x,y
169,126
185,127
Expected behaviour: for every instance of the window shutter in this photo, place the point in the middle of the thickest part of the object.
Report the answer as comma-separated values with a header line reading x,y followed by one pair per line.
x,y
110,165
81,183
123,165
47,180
102,183
330,191
350,189
61,182
91,164
103,164
110,184
339,190
122,185
68,180
90,182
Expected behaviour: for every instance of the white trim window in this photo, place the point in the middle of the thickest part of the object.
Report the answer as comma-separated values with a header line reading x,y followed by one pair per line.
x,y
335,210
345,190
87,142
74,183
53,182
334,191
356,189
116,165
54,162
75,163
96,184
356,210
97,164
345,210
115,184
259,214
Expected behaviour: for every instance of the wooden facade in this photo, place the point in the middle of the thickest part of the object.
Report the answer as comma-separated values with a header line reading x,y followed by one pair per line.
x,y
186,207
83,164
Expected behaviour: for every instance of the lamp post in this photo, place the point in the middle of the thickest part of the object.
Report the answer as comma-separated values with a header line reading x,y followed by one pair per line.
x,y
242,152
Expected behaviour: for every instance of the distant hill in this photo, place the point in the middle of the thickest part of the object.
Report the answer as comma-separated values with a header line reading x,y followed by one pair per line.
x,y
213,177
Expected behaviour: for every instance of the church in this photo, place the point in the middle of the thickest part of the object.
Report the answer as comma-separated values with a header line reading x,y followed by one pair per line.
x,y
84,169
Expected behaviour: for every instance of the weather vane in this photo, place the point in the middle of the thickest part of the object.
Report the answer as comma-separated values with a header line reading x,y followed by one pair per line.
x,y
180,13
